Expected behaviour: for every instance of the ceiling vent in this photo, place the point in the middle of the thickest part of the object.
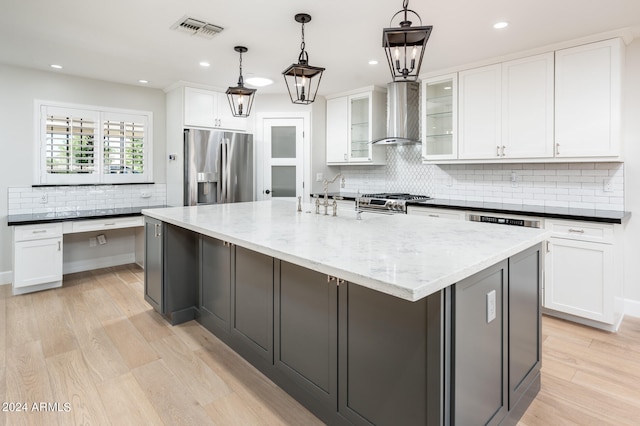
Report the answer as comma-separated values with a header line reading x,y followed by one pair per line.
x,y
196,27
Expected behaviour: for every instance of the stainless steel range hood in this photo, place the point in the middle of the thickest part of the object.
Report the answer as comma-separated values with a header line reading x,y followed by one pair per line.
x,y
403,114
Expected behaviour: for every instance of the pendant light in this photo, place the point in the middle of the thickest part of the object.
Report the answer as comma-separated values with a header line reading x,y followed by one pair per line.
x,y
240,97
404,45
302,79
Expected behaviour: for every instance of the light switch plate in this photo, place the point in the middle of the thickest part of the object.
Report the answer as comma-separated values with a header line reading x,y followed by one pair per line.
x,y
491,306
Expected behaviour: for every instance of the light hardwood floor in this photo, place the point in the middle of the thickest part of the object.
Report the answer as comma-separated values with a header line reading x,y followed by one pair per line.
x,y
96,345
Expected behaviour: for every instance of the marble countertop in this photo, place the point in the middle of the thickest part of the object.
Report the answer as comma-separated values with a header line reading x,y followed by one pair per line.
x,y
591,215
406,256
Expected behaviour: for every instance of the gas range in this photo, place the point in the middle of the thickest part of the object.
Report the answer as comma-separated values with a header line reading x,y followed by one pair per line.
x,y
386,202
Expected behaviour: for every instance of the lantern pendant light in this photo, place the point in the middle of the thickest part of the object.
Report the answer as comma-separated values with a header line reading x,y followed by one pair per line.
x,y
302,79
240,98
404,45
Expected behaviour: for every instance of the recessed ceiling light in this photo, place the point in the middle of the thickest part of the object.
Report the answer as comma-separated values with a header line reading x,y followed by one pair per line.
x,y
56,66
500,25
205,64
373,62
143,81
259,81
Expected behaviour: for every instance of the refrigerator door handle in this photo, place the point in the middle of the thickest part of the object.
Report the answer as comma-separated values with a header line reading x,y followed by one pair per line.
x,y
225,170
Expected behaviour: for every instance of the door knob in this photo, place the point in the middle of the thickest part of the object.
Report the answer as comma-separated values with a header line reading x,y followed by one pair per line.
x,y
267,191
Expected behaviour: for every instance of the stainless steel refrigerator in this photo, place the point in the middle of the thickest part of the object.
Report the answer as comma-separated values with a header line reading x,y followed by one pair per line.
x,y
218,167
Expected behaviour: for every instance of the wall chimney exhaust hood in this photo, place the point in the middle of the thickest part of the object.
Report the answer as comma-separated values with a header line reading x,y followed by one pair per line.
x,y
403,114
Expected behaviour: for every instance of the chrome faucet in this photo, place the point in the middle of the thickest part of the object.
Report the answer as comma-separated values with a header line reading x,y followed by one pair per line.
x,y
325,203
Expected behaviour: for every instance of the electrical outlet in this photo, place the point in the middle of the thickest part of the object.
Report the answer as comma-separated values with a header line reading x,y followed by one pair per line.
x,y
145,194
93,242
607,186
44,198
514,180
491,306
102,239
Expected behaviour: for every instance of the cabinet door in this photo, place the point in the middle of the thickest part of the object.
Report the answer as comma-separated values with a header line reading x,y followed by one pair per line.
x,y
440,118
200,107
480,113
527,107
337,110
587,100
153,279
252,301
37,262
359,126
306,333
479,351
215,284
579,279
386,347
525,272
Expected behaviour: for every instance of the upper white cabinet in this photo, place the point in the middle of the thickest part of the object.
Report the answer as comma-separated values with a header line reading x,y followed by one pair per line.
x,y
480,112
588,86
206,108
557,106
506,110
440,117
353,121
527,107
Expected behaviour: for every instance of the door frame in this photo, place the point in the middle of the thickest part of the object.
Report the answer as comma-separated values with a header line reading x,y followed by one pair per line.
x,y
306,149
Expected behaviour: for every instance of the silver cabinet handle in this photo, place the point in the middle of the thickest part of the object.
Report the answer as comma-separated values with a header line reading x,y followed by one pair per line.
x,y
433,215
109,224
42,231
577,231
557,149
498,151
345,156
503,148
59,245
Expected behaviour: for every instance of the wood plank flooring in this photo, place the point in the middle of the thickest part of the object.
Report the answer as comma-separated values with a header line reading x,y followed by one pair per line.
x,y
97,353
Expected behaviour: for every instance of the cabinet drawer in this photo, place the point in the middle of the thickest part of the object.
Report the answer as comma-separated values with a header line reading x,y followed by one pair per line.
x,y
431,212
586,231
106,224
37,232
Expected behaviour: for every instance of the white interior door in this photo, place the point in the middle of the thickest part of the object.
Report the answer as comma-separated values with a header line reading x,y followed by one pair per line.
x,y
283,158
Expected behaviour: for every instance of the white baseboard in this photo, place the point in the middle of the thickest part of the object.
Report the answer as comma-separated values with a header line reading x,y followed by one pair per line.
x,y
632,308
102,262
6,277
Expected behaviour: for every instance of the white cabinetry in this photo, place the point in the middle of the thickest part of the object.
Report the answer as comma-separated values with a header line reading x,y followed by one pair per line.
x,y
37,257
440,118
353,121
588,93
435,212
583,273
506,110
527,107
206,108
480,124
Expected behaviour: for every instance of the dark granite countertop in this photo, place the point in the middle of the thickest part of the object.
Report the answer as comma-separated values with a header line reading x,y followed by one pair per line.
x,y
86,214
591,215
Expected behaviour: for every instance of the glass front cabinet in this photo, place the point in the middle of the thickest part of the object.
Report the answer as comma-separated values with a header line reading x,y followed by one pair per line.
x,y
440,120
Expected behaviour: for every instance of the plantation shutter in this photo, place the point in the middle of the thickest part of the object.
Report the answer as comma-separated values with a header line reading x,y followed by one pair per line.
x,y
69,141
124,140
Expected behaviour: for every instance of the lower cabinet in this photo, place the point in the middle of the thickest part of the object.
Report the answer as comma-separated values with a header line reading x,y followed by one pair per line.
x,y
583,273
252,304
171,276
37,257
216,275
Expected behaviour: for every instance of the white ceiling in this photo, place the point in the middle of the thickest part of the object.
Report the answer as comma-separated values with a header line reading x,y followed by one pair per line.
x,y
127,40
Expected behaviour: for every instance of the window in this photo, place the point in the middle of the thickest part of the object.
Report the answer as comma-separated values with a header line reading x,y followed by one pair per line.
x,y
93,145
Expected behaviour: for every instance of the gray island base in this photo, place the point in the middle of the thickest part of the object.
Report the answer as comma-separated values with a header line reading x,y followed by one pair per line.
x,y
354,342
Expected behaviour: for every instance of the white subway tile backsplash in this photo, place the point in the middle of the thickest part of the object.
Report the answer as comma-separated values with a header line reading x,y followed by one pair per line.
x,y
575,185
26,200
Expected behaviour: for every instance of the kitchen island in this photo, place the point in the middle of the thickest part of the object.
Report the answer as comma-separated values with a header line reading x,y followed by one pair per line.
x,y
385,320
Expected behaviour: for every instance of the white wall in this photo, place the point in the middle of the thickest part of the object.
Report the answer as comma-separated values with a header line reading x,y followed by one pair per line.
x,y
631,141
19,87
